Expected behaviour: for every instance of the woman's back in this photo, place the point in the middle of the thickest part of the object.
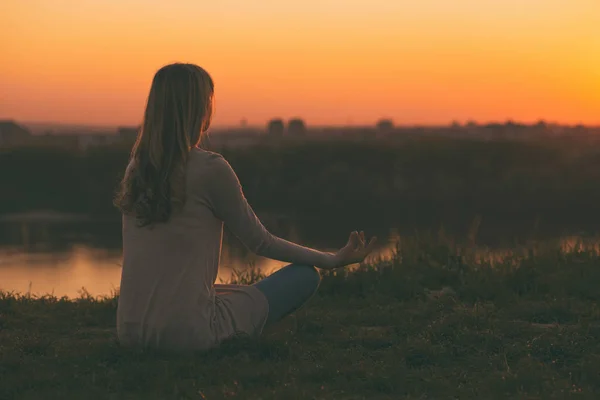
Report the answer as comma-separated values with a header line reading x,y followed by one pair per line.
x,y
167,297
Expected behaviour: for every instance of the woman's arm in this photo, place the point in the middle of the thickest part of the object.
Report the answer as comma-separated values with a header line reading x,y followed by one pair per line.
x,y
229,204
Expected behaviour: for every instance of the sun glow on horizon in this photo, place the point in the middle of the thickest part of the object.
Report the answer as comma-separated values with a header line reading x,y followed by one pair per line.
x,y
327,61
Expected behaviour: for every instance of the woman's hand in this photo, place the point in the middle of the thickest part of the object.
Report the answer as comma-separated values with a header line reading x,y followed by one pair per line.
x,y
355,251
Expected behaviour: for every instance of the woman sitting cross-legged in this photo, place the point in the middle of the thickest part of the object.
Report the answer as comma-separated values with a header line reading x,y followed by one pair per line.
x,y
174,197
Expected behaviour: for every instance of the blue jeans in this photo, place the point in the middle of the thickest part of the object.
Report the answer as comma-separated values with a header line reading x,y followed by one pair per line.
x,y
288,289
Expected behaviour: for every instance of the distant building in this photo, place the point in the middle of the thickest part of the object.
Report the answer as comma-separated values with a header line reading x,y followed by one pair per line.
x,y
493,131
13,134
385,125
275,127
296,127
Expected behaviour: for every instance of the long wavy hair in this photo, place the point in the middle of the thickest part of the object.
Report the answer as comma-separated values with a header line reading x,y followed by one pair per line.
x,y
178,113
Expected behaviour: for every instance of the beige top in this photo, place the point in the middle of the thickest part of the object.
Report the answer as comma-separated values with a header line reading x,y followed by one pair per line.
x,y
167,295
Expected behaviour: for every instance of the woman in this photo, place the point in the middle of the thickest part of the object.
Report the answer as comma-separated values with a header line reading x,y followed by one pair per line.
x,y
175,197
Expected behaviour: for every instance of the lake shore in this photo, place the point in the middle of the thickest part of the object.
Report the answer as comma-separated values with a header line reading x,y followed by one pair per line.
x,y
432,322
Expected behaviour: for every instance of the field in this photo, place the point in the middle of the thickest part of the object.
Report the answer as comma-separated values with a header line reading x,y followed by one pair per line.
x,y
437,321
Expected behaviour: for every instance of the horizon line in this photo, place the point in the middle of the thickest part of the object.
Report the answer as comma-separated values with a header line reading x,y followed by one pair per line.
x,y
317,126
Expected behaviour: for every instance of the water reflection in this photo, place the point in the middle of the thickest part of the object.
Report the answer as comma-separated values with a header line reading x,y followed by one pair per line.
x,y
63,259
67,259
61,273
97,271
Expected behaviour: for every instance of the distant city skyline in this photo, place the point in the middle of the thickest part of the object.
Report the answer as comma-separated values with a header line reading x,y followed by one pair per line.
x,y
329,62
41,127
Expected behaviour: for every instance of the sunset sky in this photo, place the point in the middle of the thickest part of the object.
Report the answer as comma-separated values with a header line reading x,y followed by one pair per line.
x,y
328,61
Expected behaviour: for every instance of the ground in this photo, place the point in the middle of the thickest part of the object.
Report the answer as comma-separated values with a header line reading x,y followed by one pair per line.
x,y
433,323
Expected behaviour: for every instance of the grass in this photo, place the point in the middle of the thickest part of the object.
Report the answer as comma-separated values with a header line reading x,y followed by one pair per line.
x,y
438,321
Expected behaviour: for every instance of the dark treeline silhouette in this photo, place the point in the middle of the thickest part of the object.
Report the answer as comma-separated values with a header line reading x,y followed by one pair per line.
x,y
417,181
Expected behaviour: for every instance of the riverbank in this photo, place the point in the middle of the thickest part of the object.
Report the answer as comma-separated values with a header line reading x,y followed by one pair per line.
x,y
433,322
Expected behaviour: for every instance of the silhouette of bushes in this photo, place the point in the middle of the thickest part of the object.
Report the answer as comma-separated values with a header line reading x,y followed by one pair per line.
x,y
415,180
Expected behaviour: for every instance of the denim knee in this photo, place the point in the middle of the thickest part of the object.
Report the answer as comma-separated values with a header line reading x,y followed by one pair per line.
x,y
311,275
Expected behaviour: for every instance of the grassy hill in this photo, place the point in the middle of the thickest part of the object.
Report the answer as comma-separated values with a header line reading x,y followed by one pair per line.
x,y
437,321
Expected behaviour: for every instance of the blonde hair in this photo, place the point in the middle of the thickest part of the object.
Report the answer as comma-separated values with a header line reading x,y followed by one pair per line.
x,y
178,113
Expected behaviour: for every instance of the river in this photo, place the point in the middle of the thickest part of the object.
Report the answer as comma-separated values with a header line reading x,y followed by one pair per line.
x,y
68,258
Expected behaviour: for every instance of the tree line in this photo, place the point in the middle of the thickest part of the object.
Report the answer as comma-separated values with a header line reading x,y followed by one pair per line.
x,y
419,179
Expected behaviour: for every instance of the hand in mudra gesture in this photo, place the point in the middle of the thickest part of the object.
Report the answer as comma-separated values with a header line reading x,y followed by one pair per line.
x,y
355,251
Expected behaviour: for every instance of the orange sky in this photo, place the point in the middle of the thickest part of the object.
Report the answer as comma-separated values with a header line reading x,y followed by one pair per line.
x,y
328,61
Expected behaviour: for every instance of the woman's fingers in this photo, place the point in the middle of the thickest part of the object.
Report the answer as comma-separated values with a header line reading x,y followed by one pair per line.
x,y
353,240
356,250
371,244
350,238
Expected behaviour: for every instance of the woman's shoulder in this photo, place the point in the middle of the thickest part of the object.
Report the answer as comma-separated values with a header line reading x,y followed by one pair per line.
x,y
205,156
198,152
208,162
210,172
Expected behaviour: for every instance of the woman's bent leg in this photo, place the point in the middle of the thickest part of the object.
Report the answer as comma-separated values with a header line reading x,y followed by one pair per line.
x,y
288,289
